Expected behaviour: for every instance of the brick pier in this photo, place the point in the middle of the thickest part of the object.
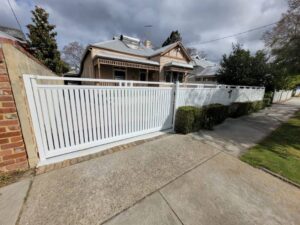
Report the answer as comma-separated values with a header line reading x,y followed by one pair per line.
x,y
12,149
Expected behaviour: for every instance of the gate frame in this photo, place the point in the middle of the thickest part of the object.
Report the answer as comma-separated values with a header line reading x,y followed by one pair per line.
x,y
31,88
30,85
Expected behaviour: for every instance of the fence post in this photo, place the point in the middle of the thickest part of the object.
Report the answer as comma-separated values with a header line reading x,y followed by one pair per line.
x,y
30,88
176,89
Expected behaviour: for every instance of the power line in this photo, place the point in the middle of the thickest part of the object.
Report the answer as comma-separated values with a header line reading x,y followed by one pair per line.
x,y
15,17
237,34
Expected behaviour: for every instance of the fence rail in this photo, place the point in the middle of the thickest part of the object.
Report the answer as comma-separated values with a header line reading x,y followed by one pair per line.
x,y
69,118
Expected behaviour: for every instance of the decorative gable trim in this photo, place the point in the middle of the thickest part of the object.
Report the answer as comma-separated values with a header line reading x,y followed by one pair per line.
x,y
173,46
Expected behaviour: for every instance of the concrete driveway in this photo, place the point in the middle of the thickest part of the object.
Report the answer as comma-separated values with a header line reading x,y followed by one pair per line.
x,y
173,180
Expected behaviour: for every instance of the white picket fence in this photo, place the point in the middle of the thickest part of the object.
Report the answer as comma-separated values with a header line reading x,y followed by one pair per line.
x,y
282,95
69,118
200,95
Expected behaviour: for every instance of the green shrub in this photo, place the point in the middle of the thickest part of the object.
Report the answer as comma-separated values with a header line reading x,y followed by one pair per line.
x,y
269,95
238,109
256,106
185,119
190,119
200,119
267,102
232,110
213,114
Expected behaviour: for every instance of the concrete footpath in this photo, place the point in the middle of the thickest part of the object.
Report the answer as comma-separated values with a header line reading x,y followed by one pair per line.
x,y
11,200
177,179
235,136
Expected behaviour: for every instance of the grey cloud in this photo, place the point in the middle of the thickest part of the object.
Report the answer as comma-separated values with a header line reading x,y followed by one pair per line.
x,y
93,20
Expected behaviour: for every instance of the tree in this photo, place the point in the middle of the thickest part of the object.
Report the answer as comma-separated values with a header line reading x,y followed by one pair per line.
x,y
42,41
72,54
174,37
194,51
240,68
284,39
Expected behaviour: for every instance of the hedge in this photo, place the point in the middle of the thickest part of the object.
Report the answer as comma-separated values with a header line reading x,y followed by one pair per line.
x,y
269,94
267,101
213,114
238,109
190,119
185,120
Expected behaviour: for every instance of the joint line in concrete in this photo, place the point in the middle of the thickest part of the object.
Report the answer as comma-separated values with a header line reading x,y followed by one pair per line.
x,y
169,205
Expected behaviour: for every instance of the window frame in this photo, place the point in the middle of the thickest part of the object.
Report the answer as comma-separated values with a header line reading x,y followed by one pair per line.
x,y
120,69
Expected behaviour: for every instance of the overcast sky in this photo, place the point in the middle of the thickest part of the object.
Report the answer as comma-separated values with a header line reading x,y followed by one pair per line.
x,y
91,21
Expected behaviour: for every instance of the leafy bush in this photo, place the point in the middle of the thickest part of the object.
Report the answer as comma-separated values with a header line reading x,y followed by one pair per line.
x,y
256,106
238,109
267,102
269,94
213,114
185,119
190,118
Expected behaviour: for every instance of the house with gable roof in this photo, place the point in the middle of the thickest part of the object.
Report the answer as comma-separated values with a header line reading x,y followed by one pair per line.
x,y
127,58
204,71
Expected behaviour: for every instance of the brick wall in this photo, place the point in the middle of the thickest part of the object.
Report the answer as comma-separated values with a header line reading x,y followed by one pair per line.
x,y
12,149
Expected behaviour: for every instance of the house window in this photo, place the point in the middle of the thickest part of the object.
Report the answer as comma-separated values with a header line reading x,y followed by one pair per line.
x,y
179,77
119,74
174,76
143,75
168,76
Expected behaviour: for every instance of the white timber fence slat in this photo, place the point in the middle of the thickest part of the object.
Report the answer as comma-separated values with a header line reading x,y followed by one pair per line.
x,y
69,118
282,95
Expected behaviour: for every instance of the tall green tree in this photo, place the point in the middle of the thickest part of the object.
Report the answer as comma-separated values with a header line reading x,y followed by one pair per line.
x,y
42,41
174,37
241,68
284,39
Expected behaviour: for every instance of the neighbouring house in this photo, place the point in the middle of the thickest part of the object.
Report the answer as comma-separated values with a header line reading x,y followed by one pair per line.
x,y
72,74
12,34
127,58
17,141
204,71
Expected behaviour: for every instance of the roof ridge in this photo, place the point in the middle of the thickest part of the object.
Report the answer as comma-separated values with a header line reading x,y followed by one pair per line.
x,y
102,42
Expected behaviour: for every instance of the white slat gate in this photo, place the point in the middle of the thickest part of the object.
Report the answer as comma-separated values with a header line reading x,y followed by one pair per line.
x,y
69,118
